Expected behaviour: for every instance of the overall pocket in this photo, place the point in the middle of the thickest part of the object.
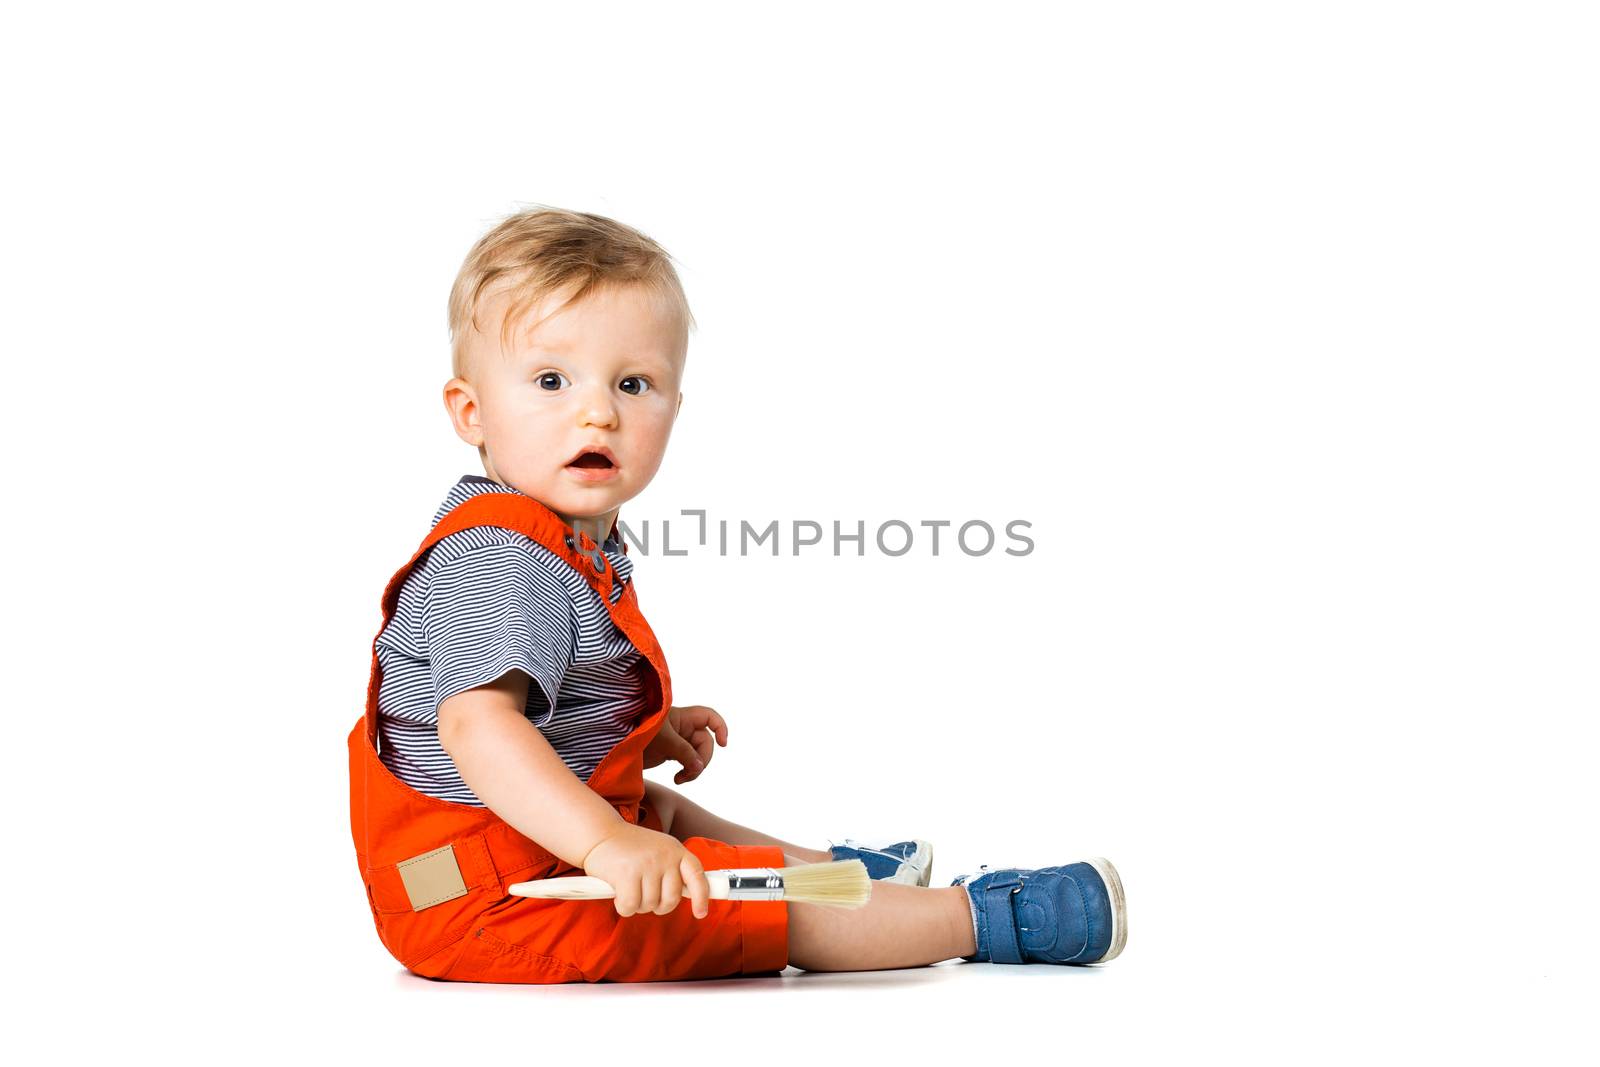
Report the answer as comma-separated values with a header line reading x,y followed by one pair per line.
x,y
487,957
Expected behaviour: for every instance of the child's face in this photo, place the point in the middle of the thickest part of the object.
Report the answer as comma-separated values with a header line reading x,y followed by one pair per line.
x,y
602,373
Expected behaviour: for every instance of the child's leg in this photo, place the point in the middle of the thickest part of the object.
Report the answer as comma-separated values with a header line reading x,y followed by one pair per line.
x,y
683,818
901,925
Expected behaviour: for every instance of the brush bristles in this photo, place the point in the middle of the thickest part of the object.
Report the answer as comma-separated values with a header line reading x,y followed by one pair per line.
x,y
839,884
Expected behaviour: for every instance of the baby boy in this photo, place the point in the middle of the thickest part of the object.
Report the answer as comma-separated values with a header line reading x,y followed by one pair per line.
x,y
517,692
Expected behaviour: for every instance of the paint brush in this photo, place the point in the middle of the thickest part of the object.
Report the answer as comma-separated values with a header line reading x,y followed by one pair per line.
x,y
839,884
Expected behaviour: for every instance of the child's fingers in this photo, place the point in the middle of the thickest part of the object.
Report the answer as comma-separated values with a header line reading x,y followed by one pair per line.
x,y
699,717
684,753
627,897
719,727
649,894
694,880
671,892
701,743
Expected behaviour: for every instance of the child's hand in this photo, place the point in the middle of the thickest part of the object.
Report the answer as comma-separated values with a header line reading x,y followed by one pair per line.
x,y
686,736
650,871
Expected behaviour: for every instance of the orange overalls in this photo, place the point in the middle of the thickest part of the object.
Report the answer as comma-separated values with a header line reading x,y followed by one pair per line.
x,y
436,871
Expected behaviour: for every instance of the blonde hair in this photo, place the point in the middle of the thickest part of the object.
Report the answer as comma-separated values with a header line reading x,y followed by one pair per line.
x,y
543,250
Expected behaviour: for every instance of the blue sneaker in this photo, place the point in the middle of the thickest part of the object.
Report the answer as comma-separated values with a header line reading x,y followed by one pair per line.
x,y
1070,914
907,862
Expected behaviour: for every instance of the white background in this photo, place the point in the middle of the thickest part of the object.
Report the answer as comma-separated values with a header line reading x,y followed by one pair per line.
x,y
1277,322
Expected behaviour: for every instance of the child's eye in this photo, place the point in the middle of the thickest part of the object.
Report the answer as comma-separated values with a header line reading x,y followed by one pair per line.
x,y
644,385
547,375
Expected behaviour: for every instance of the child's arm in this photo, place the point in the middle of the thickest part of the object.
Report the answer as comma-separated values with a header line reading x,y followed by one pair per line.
x,y
508,764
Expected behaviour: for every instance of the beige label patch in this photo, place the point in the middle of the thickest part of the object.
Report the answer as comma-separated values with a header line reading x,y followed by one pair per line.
x,y
432,878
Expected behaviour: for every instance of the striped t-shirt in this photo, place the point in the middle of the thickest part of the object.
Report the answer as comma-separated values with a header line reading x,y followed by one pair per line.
x,y
487,600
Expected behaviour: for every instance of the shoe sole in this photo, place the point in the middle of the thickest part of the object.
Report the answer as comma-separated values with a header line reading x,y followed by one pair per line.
x,y
1119,908
916,869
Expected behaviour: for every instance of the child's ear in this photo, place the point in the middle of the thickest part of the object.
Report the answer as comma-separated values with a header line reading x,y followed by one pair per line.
x,y
461,403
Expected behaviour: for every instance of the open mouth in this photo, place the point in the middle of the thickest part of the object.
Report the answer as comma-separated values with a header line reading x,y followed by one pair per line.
x,y
594,459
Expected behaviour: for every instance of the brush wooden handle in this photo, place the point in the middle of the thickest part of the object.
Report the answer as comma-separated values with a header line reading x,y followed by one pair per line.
x,y
588,887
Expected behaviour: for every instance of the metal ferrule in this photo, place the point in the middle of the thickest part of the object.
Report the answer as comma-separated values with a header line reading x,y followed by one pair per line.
x,y
755,883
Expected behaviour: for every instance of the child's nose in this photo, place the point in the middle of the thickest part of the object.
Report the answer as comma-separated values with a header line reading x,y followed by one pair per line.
x,y
595,408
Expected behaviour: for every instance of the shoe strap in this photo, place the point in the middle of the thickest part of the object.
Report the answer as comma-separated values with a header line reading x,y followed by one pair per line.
x,y
1001,919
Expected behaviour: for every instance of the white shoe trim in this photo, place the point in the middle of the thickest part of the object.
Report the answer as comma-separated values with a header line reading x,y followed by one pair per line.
x,y
917,868
1119,908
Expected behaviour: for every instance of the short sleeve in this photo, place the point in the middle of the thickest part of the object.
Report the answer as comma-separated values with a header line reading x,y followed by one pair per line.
x,y
492,610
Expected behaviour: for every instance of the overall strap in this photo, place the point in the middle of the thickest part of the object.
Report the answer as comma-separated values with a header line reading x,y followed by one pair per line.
x,y
510,511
